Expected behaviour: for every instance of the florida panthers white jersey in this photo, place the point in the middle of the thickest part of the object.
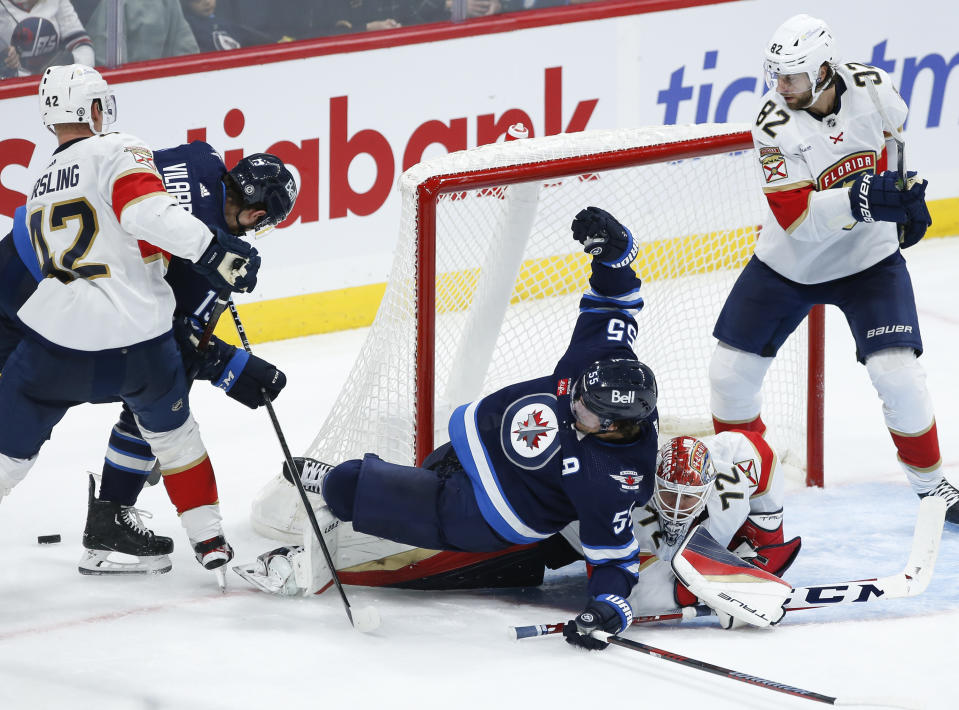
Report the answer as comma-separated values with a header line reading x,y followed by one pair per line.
x,y
807,163
747,482
103,227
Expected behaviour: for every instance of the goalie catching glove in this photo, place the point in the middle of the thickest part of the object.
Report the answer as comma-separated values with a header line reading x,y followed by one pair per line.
x,y
604,237
233,370
607,612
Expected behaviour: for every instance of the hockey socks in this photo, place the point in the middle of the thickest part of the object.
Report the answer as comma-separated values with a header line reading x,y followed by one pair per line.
x,y
126,466
920,458
191,486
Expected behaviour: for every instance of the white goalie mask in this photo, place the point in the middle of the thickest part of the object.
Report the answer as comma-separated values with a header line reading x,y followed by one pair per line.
x,y
66,93
684,478
794,55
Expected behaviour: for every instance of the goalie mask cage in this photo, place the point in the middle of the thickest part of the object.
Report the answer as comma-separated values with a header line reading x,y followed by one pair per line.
x,y
486,281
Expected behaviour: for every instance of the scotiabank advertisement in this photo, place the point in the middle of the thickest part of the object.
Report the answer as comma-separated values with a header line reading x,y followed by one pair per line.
x,y
349,123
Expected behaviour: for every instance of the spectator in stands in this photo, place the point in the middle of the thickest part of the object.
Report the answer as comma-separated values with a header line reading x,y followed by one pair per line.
x,y
481,8
345,16
279,20
214,32
35,35
513,5
153,29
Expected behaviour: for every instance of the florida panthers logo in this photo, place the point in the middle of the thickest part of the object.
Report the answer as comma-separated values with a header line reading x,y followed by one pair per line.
x,y
529,430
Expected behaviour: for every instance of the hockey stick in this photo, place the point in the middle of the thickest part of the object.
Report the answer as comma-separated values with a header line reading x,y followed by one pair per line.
x,y
913,579
689,612
897,138
366,618
738,675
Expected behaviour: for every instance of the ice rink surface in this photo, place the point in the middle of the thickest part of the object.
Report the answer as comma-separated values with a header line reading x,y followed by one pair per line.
x,y
173,641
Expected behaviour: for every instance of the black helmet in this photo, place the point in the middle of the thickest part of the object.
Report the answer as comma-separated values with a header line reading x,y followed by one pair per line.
x,y
264,182
619,388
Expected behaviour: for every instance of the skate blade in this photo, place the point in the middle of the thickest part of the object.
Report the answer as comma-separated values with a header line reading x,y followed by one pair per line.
x,y
98,562
220,573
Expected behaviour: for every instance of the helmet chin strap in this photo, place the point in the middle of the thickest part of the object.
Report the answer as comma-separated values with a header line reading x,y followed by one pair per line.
x,y
824,84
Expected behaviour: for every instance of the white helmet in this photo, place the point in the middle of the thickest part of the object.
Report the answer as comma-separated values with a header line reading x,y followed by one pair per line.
x,y
684,477
66,93
800,46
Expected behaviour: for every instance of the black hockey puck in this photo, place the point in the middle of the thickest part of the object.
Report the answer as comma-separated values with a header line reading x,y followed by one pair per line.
x,y
48,539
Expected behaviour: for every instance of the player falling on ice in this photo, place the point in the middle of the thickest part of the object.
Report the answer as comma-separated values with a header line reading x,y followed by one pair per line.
x,y
525,461
839,219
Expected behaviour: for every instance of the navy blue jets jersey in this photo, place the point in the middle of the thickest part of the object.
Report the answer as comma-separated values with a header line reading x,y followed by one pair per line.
x,y
533,473
193,174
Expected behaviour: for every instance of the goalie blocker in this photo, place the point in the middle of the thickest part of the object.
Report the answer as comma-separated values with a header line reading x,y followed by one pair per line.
x,y
737,590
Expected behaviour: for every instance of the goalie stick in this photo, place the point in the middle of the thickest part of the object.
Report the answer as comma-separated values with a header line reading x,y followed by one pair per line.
x,y
366,618
913,580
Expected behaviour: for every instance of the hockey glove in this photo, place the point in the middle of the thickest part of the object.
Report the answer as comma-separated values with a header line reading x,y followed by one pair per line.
x,y
877,198
245,375
919,220
607,612
229,262
233,370
604,237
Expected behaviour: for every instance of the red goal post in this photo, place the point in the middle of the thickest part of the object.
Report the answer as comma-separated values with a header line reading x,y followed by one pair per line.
x,y
486,279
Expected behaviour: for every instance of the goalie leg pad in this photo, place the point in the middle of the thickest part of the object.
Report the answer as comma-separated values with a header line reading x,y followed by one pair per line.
x,y
727,583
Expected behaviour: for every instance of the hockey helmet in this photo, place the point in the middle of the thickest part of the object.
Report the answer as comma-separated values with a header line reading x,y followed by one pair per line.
x,y
684,477
66,93
264,182
36,40
618,388
795,53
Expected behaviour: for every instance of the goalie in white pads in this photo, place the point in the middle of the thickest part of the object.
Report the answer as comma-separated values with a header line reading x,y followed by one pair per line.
x,y
839,218
729,484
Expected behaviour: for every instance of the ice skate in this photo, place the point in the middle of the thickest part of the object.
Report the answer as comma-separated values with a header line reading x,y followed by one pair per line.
x,y
114,528
950,494
213,554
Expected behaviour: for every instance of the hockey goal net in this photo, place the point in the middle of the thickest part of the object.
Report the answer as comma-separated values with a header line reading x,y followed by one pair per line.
x,y
486,279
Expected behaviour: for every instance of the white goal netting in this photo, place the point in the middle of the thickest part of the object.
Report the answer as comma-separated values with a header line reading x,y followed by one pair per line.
x,y
508,276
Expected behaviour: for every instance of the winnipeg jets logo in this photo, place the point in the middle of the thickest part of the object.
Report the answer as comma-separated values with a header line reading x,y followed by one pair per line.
x,y
628,480
529,432
534,428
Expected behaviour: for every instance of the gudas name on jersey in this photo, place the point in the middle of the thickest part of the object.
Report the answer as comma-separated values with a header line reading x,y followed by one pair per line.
x,y
58,179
